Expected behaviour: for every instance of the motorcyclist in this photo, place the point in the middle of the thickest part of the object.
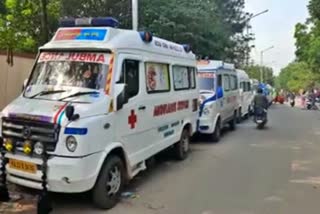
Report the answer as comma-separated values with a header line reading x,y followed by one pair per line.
x,y
292,97
260,101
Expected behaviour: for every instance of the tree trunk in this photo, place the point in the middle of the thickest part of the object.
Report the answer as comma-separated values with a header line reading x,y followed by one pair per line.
x,y
44,21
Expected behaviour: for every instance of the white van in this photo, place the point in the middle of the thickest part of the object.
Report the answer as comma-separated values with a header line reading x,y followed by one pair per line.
x,y
270,93
254,86
99,102
246,95
219,96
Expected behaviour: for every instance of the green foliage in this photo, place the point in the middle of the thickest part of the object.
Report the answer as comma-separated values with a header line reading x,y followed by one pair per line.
x,y
254,72
307,37
20,24
304,73
296,76
214,28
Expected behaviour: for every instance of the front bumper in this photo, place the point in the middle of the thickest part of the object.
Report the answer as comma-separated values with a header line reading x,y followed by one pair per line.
x,y
206,125
64,175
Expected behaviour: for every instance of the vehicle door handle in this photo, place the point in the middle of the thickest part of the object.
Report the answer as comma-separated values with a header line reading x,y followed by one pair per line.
x,y
142,108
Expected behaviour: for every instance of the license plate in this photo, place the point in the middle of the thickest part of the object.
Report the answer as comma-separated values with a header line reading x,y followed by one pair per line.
x,y
23,166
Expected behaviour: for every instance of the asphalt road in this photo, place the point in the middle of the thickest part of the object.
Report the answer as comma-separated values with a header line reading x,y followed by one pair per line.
x,y
271,171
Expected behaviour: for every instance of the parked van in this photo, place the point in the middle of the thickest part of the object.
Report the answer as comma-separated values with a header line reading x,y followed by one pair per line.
x,y
270,93
219,97
99,102
246,95
254,85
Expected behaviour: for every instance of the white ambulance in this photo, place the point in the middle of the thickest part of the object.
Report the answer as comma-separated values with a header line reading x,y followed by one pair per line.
x,y
219,96
99,102
254,86
246,95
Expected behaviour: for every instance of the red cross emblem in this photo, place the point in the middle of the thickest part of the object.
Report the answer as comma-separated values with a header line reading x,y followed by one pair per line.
x,y
132,120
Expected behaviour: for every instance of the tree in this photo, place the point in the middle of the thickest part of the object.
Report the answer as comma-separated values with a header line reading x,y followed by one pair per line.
x,y
121,9
214,28
254,72
296,76
24,26
307,37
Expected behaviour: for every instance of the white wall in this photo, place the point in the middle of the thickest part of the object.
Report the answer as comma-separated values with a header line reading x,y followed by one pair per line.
x,y
11,78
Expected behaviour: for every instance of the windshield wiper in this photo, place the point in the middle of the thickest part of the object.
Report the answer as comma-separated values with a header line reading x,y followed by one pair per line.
x,y
42,93
79,94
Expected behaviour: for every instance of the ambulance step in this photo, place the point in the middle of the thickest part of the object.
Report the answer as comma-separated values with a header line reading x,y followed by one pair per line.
x,y
139,167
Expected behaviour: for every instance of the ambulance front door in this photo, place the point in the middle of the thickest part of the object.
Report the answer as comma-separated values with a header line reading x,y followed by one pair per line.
x,y
131,119
221,104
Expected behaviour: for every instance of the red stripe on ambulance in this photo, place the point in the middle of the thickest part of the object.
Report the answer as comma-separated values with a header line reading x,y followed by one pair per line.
x,y
78,57
170,108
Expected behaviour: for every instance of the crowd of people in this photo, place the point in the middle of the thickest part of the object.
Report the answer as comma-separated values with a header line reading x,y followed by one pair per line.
x,y
305,97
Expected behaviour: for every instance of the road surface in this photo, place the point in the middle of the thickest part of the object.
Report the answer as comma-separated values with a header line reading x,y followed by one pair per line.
x,y
271,171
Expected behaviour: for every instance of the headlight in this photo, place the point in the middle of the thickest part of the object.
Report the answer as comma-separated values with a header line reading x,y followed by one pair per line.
x,y
206,111
71,144
201,99
38,148
8,145
27,148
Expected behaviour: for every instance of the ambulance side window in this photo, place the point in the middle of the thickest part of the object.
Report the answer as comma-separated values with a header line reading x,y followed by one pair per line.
x,y
219,80
226,82
233,82
130,76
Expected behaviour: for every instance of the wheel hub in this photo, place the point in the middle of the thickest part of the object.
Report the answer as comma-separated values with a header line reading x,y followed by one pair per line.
x,y
185,143
114,181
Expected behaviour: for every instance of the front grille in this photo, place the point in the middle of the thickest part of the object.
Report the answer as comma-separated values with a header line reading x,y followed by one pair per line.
x,y
21,130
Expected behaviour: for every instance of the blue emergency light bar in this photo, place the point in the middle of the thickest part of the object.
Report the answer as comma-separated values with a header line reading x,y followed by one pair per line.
x,y
187,48
94,22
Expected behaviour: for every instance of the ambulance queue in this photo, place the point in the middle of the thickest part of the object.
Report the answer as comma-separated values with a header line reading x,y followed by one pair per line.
x,y
100,102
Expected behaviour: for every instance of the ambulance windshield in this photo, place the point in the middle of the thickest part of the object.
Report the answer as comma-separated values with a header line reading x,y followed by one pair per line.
x,y
206,81
68,70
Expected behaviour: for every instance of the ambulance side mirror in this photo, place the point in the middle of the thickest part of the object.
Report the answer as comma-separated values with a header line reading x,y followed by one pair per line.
x,y
122,95
70,113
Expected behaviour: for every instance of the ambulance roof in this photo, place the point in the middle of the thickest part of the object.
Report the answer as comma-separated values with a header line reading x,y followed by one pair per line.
x,y
255,81
242,75
112,39
213,65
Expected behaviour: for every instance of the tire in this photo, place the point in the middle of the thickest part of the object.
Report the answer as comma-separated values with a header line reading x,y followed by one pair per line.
x,y
239,117
233,122
182,147
260,126
104,196
216,135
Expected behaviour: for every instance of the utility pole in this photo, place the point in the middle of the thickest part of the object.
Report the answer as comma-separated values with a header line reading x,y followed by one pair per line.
x,y
135,17
247,26
44,21
261,62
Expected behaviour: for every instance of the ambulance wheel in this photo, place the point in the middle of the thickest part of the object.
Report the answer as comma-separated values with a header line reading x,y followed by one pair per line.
x,y
216,135
107,190
233,122
239,117
182,147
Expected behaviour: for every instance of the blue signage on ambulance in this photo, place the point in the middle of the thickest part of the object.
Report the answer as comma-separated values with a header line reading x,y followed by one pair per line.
x,y
90,34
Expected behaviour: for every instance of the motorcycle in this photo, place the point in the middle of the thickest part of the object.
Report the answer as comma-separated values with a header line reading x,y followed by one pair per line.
x,y
309,104
260,117
292,102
